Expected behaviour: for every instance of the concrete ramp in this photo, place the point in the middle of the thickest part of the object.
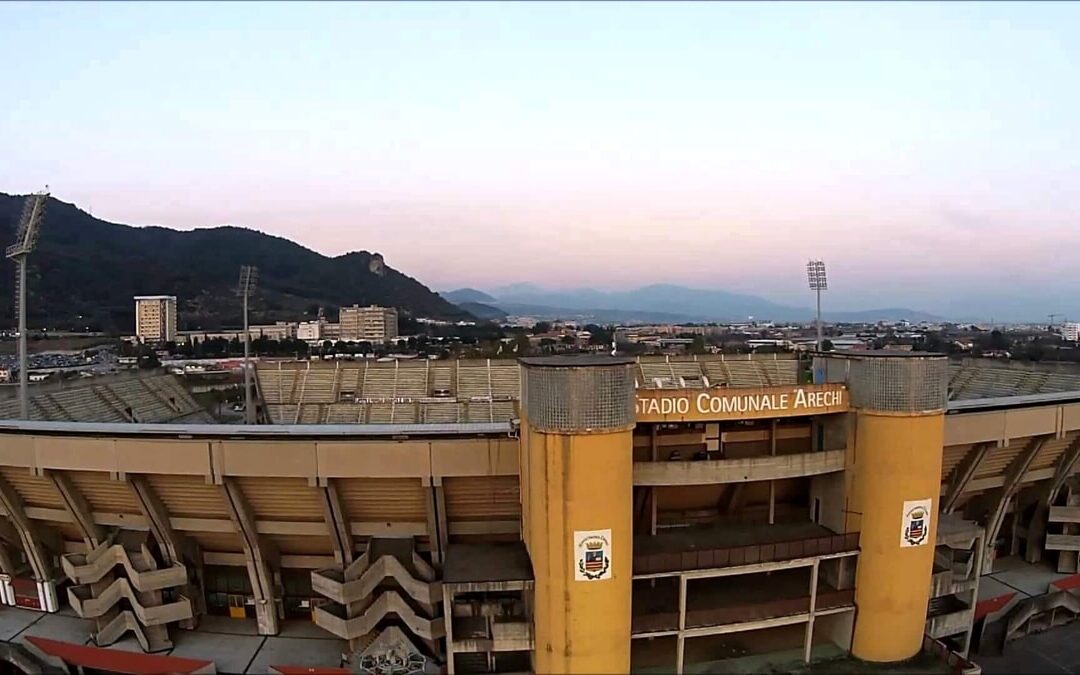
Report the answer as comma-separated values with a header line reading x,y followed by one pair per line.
x,y
121,588
150,640
388,603
88,607
1042,612
328,583
91,568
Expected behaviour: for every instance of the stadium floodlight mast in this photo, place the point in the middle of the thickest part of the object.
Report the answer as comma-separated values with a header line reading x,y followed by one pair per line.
x,y
248,277
25,239
815,274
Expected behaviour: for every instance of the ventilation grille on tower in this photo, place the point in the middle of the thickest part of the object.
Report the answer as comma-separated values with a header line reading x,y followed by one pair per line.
x,y
579,398
899,384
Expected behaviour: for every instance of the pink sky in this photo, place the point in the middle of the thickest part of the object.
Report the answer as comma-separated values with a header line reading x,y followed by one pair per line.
x,y
928,152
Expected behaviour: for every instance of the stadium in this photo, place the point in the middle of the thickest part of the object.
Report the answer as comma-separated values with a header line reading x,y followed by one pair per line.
x,y
557,514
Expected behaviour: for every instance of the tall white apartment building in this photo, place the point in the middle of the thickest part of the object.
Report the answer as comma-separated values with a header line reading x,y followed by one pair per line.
x,y
155,318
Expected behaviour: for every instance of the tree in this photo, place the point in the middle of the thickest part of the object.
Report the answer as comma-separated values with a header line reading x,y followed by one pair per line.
x,y
186,349
262,345
148,359
697,346
521,345
998,340
128,348
632,348
1035,351
932,342
827,345
541,327
598,335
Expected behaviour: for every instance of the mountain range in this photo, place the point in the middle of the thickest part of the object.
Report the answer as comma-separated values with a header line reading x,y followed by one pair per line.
x,y
85,271
658,302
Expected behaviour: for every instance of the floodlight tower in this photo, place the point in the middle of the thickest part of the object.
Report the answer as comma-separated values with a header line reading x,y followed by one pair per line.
x,y
248,277
25,238
815,274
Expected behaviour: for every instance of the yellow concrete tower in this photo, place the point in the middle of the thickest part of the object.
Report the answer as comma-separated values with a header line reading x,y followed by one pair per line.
x,y
894,479
577,494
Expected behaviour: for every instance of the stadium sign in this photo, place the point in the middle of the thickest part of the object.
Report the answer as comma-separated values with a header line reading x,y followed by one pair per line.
x,y
696,405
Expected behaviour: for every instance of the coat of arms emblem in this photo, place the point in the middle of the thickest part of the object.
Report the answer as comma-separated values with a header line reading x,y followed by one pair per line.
x,y
916,525
593,551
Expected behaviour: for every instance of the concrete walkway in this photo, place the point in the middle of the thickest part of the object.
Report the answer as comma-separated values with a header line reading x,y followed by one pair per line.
x,y
232,644
1053,651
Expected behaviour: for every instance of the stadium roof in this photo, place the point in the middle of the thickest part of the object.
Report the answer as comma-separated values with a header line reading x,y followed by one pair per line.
x,y
1025,400
261,430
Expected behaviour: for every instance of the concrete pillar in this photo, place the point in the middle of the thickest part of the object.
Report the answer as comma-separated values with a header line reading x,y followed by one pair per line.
x,y
577,457
258,555
37,555
895,480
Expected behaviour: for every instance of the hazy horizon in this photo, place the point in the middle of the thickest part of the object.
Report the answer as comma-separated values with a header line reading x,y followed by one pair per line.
x,y
926,151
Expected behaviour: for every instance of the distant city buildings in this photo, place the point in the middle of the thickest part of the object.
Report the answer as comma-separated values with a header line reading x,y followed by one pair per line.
x,y
155,318
310,331
440,322
368,324
155,322
1071,332
331,331
650,333
280,330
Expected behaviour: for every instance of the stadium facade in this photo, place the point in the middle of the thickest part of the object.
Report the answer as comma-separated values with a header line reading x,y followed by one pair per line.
x,y
562,514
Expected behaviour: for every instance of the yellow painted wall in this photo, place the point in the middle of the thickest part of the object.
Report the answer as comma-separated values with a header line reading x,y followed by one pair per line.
x,y
577,483
896,458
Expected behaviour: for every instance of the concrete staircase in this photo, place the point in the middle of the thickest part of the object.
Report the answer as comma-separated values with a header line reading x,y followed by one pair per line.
x,y
388,603
115,572
144,575
1066,521
1042,612
151,639
390,584
93,601
331,584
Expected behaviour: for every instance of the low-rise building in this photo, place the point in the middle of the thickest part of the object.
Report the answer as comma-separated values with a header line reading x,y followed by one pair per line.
x,y
310,331
371,323
281,330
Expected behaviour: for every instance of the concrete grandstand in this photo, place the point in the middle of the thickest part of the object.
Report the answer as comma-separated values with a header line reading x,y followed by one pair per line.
x,y
411,392
155,399
976,382
393,508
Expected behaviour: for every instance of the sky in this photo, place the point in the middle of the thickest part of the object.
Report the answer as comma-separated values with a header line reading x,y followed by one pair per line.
x,y
929,153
